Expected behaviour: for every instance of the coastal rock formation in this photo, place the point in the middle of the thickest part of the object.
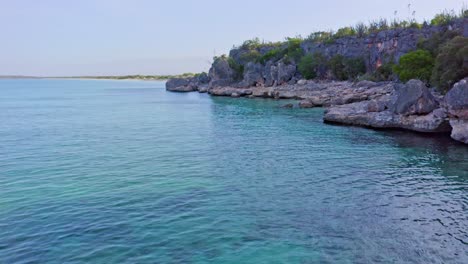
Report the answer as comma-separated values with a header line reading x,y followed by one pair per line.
x,y
181,85
459,130
404,108
244,68
414,99
197,83
313,94
268,71
253,75
456,102
221,73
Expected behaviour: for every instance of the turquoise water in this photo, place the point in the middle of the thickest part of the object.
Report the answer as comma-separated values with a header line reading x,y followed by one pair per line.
x,y
125,172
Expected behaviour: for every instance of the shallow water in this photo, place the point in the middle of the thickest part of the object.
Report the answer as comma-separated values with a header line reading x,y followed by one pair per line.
x,y
95,171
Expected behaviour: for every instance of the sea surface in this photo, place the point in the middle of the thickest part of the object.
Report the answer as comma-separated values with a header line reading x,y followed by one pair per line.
x,y
97,171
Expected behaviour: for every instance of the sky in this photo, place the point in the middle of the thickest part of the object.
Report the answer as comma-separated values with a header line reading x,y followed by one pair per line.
x,y
119,37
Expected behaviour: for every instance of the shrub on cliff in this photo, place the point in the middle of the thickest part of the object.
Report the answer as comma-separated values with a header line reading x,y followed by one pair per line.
x,y
415,65
346,68
444,18
294,50
384,72
354,67
345,32
337,67
251,55
436,41
237,68
451,65
321,36
313,65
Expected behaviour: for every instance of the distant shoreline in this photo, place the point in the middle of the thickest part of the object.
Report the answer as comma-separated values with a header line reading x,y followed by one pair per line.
x,y
119,77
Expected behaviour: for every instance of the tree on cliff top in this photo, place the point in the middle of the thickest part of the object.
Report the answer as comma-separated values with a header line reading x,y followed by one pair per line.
x,y
451,65
415,65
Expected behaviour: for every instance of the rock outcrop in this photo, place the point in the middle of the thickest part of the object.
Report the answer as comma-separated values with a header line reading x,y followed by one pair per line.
x,y
414,99
409,106
258,71
191,84
456,102
181,85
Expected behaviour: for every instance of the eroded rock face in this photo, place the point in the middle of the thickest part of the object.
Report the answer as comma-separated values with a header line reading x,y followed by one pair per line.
x,y
414,99
410,107
221,73
285,72
253,75
181,85
456,102
459,130
368,114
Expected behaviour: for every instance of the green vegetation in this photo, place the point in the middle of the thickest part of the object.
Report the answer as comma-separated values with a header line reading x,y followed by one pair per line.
x,y
274,54
313,66
292,52
450,64
338,68
447,16
256,43
436,41
415,65
137,77
237,68
346,68
251,55
384,72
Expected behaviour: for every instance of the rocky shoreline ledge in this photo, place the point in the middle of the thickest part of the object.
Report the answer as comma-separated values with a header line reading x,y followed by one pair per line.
x,y
373,62
384,105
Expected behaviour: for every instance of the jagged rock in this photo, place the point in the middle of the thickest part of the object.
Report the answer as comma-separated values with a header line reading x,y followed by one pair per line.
x,y
285,72
253,75
367,114
268,73
410,107
414,99
229,91
459,130
181,85
221,73
456,100
384,47
203,78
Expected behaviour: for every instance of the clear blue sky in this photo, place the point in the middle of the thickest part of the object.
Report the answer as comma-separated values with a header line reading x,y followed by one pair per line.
x,y
115,37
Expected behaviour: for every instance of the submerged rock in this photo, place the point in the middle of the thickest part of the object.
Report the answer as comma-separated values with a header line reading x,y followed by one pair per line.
x,y
306,104
287,106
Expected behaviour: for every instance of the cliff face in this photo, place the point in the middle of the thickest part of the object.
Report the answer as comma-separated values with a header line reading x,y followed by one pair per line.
x,y
375,49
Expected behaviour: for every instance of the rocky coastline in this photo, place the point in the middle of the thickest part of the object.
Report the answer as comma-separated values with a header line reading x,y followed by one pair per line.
x,y
380,104
384,105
